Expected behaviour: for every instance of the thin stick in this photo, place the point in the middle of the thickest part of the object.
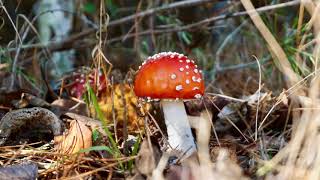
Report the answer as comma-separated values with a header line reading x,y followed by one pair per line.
x,y
54,46
212,125
300,21
225,42
232,123
258,104
186,3
227,97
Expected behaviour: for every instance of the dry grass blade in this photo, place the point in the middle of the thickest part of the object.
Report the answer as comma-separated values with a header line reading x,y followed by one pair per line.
x,y
11,21
232,123
288,93
258,104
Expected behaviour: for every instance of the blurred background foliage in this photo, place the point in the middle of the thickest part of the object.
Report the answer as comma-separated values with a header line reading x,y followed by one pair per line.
x,y
224,48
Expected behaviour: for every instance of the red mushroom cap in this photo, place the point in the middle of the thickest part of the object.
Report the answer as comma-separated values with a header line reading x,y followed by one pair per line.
x,y
169,75
78,82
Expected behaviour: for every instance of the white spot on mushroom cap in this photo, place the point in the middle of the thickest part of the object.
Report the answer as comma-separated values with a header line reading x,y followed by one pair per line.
x,y
194,78
187,67
195,71
195,88
170,54
198,96
173,76
187,73
188,81
181,69
188,60
199,80
179,87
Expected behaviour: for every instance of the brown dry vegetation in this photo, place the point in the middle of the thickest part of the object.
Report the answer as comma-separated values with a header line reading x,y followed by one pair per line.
x,y
259,117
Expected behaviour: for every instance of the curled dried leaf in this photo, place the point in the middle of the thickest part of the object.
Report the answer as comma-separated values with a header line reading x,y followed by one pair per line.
x,y
78,137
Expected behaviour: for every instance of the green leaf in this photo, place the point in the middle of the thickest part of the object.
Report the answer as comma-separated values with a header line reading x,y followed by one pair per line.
x,y
115,151
95,135
186,37
101,117
112,7
97,148
89,7
134,152
145,46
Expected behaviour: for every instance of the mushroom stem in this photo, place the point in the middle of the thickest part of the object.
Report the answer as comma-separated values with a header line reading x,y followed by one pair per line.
x,y
178,128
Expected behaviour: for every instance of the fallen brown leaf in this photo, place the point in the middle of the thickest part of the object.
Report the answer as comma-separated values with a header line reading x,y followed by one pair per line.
x,y
78,137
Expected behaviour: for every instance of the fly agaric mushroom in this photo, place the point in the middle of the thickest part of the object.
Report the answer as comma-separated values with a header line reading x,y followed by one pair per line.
x,y
78,81
172,78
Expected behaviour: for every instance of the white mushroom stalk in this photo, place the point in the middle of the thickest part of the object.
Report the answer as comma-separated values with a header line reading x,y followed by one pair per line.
x,y
180,137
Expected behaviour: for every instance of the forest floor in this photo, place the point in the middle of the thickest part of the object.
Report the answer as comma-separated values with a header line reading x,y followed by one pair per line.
x,y
69,108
